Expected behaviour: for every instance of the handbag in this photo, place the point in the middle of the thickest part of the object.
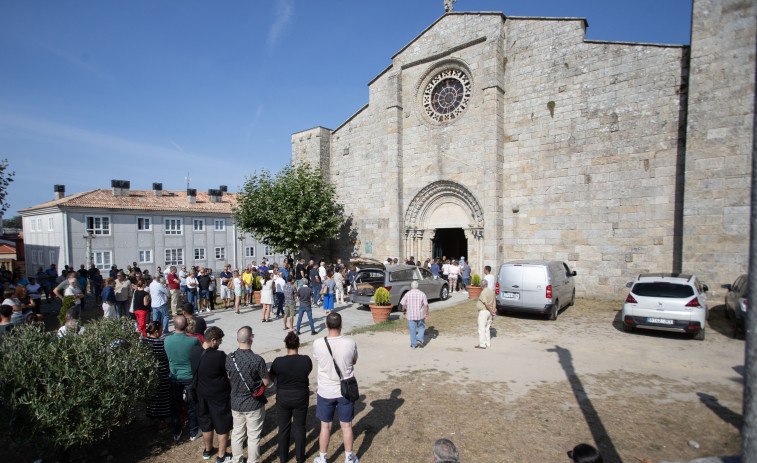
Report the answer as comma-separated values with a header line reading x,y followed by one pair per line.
x,y
256,393
349,385
131,308
190,390
324,290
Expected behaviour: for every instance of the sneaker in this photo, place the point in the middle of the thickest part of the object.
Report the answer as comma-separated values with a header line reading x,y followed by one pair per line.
x,y
176,437
420,344
226,458
196,436
207,454
207,310
351,459
319,459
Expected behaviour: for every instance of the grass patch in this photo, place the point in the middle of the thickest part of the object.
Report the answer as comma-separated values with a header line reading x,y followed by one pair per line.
x,y
457,319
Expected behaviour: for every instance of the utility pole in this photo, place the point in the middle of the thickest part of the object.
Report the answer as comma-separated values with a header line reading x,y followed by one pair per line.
x,y
89,237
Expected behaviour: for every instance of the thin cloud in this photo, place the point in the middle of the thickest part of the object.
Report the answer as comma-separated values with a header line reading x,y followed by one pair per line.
x,y
284,11
254,122
176,145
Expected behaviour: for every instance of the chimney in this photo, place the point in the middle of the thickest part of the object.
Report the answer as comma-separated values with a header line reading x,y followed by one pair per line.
x,y
191,195
215,196
157,189
120,187
60,191
224,189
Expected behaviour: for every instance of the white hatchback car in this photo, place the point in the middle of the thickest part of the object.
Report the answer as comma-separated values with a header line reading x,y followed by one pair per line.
x,y
668,302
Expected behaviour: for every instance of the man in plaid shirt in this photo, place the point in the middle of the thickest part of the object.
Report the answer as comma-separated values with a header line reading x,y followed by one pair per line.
x,y
415,308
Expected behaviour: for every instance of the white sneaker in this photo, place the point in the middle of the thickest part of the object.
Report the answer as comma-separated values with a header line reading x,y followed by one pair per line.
x,y
351,459
319,459
207,310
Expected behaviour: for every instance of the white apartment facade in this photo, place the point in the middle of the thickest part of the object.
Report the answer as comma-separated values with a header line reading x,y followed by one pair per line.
x,y
154,228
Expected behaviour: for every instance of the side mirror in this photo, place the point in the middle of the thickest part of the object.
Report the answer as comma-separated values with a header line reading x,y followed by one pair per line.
x,y
573,273
726,287
629,284
706,288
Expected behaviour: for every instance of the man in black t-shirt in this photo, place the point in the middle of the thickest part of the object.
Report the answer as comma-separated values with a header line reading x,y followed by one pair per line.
x,y
299,272
203,284
305,295
213,388
247,372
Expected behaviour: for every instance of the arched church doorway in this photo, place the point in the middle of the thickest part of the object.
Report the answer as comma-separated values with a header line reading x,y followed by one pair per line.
x,y
450,242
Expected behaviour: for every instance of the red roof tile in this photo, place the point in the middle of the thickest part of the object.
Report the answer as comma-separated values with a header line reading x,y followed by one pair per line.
x,y
5,249
142,200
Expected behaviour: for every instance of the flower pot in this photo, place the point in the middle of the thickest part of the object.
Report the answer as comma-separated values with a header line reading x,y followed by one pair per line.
x,y
256,295
380,312
474,291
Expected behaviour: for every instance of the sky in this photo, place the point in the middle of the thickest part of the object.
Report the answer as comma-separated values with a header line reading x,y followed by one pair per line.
x,y
151,91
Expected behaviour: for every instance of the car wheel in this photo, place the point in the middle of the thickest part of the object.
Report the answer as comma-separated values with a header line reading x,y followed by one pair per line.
x,y
628,328
444,293
572,299
699,336
555,310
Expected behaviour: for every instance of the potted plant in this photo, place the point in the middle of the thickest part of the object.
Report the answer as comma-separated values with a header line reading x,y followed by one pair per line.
x,y
381,308
474,288
257,285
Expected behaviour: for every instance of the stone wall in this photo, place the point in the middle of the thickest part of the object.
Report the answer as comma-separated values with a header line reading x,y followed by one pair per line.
x,y
719,140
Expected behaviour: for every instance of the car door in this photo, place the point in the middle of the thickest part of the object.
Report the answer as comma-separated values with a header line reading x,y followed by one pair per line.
x,y
427,284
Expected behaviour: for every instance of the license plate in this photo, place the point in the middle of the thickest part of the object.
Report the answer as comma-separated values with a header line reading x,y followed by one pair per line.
x,y
513,296
663,321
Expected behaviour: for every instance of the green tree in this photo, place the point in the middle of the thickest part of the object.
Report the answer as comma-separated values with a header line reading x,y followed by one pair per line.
x,y
6,178
294,209
13,222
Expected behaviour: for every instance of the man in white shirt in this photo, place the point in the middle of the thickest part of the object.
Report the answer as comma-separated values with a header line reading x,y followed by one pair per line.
x,y
489,277
329,394
159,296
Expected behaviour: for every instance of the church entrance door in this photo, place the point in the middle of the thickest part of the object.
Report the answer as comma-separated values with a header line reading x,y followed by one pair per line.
x,y
450,242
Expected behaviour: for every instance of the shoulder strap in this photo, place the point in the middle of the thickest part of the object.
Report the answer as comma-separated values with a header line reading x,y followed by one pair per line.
x,y
194,372
234,359
338,371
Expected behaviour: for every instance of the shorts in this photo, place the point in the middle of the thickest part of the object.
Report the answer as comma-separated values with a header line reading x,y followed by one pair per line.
x,y
324,409
248,289
290,310
225,292
183,289
238,292
214,415
204,294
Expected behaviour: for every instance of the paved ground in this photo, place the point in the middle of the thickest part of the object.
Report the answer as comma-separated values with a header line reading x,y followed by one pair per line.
x,y
270,336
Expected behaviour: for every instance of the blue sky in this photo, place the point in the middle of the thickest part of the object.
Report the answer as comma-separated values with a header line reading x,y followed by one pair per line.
x,y
147,91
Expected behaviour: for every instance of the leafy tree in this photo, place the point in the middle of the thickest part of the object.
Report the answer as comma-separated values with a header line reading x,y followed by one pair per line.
x,y
13,222
292,210
5,179
58,393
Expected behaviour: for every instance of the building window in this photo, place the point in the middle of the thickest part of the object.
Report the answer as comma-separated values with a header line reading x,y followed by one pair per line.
x,y
198,225
50,224
34,257
249,251
53,257
102,259
220,253
173,227
219,224
32,225
174,256
144,223
39,224
269,251
41,257
199,253
145,256
98,225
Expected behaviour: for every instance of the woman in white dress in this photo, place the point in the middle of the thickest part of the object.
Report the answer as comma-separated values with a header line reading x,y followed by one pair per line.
x,y
266,296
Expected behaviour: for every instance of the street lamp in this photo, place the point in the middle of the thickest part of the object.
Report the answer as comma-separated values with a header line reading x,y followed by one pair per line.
x,y
89,237
241,245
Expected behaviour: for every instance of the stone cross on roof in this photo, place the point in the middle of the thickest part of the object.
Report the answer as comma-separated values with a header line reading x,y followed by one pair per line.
x,y
448,5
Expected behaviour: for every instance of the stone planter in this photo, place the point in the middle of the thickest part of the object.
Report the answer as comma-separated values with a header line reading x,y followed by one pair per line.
x,y
380,312
474,291
256,296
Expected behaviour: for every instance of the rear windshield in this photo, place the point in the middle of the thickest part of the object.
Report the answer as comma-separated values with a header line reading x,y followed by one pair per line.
x,y
370,276
670,290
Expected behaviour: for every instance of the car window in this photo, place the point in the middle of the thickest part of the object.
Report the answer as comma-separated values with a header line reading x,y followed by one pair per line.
x,y
662,289
401,275
370,276
427,275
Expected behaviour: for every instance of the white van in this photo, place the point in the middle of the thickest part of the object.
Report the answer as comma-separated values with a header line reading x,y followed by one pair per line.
x,y
542,286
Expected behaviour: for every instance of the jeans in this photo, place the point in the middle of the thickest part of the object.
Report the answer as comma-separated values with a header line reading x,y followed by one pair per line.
x,y
161,314
192,297
249,425
305,309
122,308
466,282
316,293
177,390
412,324
291,411
328,301
279,299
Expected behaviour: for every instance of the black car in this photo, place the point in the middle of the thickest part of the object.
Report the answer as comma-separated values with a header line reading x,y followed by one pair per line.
x,y
736,303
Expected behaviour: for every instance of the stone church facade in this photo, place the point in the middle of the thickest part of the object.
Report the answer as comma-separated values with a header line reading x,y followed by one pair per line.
x,y
502,138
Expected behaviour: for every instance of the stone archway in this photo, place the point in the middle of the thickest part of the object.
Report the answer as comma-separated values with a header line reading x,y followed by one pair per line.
x,y
444,204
